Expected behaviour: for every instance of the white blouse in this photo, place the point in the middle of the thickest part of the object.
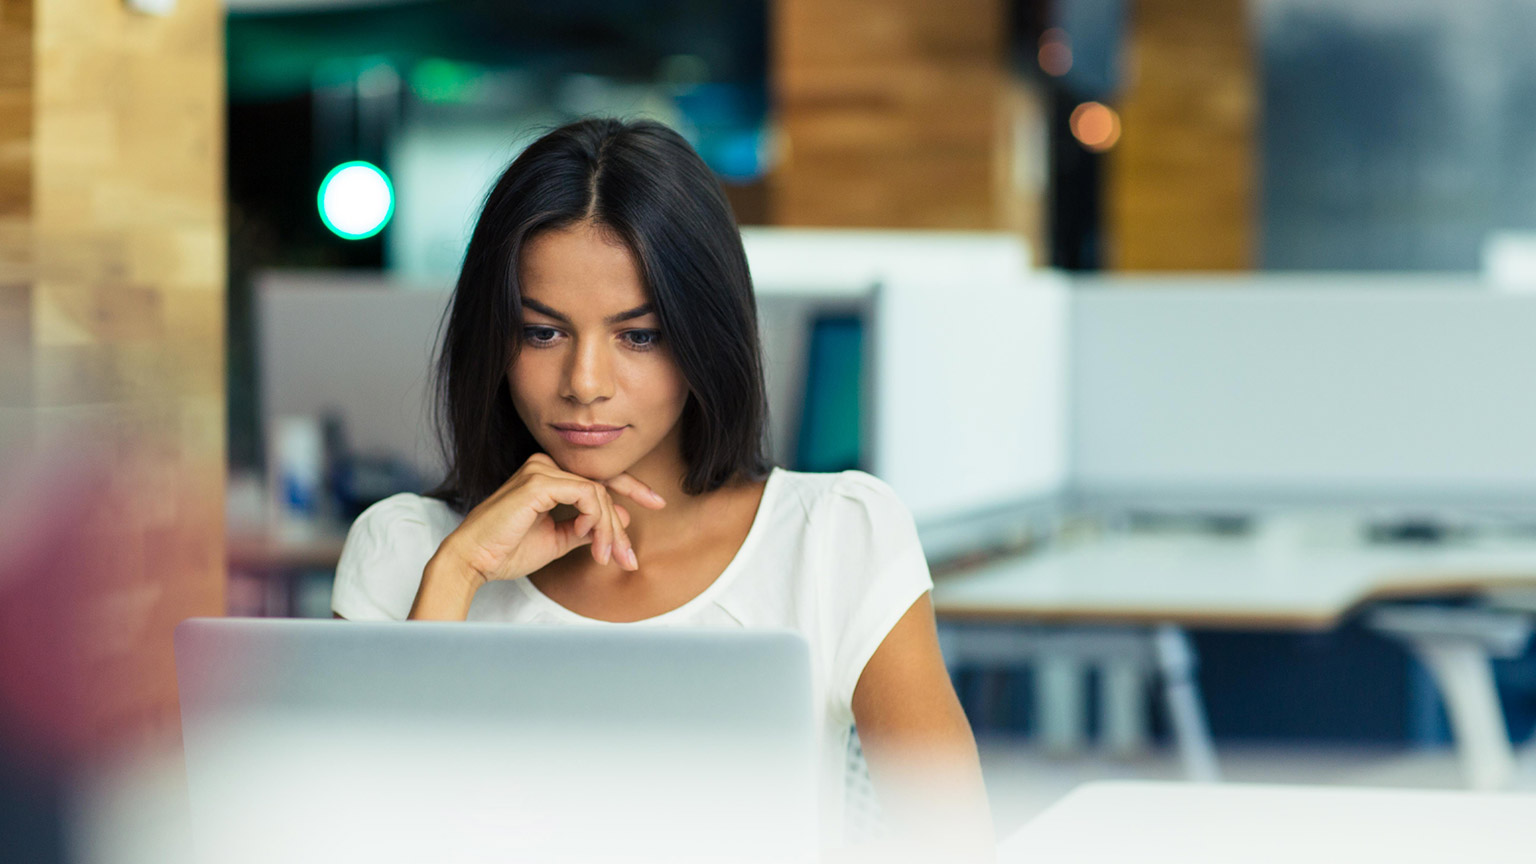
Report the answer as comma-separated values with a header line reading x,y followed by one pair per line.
x,y
834,557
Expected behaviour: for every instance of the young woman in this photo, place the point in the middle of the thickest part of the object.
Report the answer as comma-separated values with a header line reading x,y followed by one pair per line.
x,y
602,410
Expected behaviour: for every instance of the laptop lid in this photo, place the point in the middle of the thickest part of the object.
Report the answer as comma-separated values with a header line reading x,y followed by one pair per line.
x,y
329,741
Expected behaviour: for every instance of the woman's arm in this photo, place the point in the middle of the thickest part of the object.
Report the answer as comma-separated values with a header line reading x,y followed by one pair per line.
x,y
922,756
448,586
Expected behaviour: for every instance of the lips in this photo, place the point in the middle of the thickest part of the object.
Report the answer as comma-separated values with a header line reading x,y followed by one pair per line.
x,y
588,436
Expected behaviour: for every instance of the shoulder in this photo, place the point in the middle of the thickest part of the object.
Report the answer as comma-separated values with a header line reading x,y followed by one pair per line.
x,y
815,491
386,548
843,500
866,563
405,508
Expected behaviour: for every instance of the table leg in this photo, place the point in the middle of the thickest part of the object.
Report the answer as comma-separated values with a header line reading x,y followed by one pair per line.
x,y
1123,706
1455,644
1462,672
1181,690
1060,702
1062,658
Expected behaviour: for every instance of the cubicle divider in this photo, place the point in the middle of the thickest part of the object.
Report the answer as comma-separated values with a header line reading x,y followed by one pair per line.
x,y
1245,393
357,347
964,381
968,398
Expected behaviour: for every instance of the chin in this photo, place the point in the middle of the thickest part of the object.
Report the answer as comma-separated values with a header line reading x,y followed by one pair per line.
x,y
591,464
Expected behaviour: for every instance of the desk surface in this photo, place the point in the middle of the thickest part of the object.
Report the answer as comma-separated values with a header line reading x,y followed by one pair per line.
x,y
256,549
1195,823
1214,581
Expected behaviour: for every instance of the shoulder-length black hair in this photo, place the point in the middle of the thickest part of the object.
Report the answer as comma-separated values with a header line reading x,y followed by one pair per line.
x,y
641,181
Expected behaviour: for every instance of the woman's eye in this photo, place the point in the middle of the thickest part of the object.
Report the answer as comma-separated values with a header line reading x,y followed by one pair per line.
x,y
642,339
538,336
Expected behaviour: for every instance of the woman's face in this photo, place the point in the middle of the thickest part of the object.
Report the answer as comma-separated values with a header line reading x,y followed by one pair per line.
x,y
592,356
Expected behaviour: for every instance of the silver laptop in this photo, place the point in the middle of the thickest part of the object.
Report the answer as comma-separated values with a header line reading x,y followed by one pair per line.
x,y
351,741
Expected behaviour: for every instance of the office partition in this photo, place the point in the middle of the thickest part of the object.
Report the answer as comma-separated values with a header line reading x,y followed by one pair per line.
x,y
967,392
1394,391
355,346
963,387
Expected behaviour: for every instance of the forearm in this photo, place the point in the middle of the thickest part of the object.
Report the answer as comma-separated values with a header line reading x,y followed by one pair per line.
x,y
931,790
448,585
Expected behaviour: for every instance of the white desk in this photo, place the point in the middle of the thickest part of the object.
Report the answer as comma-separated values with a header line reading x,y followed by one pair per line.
x,y
1203,824
1230,583
1172,582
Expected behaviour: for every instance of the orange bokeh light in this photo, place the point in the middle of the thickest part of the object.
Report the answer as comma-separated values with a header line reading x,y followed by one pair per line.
x,y
1095,126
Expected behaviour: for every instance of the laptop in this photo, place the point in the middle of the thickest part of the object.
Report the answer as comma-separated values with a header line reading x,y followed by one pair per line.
x,y
335,741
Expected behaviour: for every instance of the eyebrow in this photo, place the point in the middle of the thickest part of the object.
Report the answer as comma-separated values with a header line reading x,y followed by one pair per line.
x,y
626,315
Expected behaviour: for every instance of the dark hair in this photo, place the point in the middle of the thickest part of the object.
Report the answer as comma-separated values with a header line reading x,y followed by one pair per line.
x,y
641,181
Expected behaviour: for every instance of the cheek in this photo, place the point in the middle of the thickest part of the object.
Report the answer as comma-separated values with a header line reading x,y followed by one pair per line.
x,y
679,393
528,381
664,387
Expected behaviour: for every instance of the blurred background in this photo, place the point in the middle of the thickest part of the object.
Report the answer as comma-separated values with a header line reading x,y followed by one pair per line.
x,y
1251,285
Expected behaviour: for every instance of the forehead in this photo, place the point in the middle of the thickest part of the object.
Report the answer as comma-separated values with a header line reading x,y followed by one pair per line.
x,y
582,271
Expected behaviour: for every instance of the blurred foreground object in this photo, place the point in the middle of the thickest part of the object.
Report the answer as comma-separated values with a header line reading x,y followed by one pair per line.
x,y
111,388
1509,260
115,251
1206,824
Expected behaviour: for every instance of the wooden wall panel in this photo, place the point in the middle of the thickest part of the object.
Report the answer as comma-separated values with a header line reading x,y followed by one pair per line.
x,y
893,114
1183,181
112,271
16,278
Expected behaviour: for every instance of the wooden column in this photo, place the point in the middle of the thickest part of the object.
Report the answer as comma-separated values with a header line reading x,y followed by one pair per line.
x,y
894,114
1183,181
16,130
112,277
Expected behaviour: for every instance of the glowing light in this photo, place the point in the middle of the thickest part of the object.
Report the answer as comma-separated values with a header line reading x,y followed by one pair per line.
x,y
1095,126
356,200
1055,52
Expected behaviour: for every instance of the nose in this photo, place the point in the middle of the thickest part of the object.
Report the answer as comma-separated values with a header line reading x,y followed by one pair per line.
x,y
589,372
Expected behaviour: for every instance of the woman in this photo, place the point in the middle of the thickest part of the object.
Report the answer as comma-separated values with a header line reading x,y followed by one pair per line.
x,y
601,387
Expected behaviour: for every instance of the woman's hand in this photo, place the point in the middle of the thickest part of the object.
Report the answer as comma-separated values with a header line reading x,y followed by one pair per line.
x,y
513,532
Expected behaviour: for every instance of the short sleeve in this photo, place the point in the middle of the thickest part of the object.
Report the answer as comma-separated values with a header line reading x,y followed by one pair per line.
x,y
386,550
877,572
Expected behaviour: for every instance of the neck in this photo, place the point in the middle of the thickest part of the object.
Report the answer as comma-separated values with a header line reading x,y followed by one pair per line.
x,y
658,530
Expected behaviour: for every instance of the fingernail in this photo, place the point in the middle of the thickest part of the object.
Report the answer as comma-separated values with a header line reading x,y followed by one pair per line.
x,y
629,555
658,498
607,553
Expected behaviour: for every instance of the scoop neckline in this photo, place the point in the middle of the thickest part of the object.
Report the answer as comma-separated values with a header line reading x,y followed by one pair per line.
x,y
699,599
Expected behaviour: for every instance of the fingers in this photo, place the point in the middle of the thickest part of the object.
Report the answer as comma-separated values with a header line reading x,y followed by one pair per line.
x,y
645,496
598,514
571,534
594,508
623,552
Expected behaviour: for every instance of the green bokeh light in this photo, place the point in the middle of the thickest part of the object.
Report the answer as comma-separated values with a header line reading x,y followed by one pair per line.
x,y
356,200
